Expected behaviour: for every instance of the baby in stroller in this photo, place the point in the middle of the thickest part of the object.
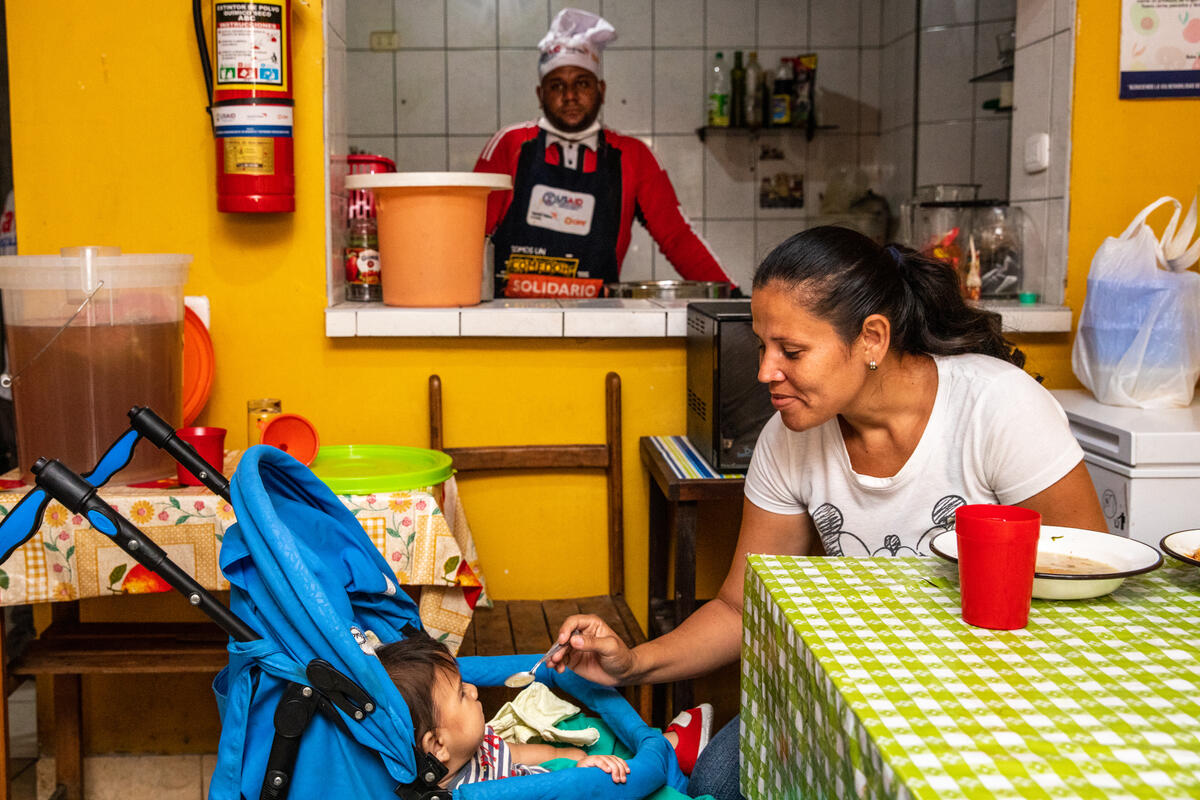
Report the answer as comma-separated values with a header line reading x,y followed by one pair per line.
x,y
448,722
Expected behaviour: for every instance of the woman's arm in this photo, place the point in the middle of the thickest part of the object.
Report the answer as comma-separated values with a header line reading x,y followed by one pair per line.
x,y
1070,501
711,637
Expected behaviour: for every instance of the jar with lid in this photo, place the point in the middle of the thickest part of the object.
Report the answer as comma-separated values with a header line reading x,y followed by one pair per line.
x,y
363,274
258,413
998,233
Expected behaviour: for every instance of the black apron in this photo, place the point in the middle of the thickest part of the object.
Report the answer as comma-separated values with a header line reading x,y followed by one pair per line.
x,y
559,236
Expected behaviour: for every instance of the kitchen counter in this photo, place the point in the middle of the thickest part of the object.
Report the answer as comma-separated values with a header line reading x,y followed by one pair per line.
x,y
602,318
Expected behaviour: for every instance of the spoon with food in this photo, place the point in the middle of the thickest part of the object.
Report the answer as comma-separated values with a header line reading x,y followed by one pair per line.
x,y
519,680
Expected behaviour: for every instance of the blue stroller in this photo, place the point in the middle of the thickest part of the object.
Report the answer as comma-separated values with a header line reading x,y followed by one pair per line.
x,y
307,710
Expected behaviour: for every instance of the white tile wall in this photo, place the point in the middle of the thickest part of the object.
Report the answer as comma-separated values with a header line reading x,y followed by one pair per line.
x,y
947,12
420,91
337,146
1035,20
782,23
944,152
729,24
471,81
628,105
958,140
899,18
1031,104
633,18
1045,41
990,157
473,25
466,68
834,23
420,23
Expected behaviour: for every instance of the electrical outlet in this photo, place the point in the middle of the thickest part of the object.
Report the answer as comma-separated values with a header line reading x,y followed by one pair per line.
x,y
384,40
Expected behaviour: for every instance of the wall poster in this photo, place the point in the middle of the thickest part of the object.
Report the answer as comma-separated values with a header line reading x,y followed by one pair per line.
x,y
1160,48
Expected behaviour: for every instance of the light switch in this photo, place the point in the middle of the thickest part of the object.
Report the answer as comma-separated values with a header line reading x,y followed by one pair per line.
x,y
1037,152
384,40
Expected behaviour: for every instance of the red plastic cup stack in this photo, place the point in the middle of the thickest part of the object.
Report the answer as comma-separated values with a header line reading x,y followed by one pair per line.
x,y
997,552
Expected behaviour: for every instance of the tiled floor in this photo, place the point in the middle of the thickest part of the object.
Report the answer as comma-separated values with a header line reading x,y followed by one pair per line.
x,y
22,718
105,777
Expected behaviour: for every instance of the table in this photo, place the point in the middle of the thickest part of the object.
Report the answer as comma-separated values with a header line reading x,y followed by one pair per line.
x,y
680,479
422,533
68,560
859,678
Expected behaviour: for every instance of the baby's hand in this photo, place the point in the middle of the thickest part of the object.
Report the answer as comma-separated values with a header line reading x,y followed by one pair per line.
x,y
611,764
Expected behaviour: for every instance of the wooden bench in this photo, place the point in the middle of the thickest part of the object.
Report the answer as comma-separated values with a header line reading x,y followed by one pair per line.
x,y
531,626
69,649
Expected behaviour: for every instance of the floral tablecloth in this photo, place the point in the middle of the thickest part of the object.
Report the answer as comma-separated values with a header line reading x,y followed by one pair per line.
x,y
859,678
422,533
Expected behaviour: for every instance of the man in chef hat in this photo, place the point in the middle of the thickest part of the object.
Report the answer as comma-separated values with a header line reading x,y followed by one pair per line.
x,y
563,230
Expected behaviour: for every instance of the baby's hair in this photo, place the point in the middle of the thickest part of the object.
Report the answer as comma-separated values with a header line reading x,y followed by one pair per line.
x,y
413,665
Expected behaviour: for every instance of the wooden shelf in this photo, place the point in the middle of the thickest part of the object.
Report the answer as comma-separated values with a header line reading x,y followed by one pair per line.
x,y
704,130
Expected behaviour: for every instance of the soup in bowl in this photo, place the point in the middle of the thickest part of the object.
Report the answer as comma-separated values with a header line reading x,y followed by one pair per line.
x,y
1183,545
1074,564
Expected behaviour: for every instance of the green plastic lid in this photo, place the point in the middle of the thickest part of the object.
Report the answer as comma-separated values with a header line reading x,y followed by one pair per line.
x,y
371,468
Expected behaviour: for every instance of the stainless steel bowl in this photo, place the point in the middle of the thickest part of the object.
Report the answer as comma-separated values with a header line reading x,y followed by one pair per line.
x,y
668,290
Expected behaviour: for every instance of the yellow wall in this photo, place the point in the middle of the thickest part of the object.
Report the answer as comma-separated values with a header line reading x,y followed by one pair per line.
x,y
111,145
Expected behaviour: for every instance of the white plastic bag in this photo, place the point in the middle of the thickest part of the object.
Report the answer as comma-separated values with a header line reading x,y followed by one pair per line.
x,y
1138,342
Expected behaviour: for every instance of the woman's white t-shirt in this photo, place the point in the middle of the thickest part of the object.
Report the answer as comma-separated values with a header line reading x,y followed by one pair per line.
x,y
995,435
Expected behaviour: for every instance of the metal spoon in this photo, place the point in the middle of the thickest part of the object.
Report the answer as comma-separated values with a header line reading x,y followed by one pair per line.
x,y
521,679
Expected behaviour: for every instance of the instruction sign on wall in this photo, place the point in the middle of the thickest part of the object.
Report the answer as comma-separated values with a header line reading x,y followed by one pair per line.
x,y
1160,48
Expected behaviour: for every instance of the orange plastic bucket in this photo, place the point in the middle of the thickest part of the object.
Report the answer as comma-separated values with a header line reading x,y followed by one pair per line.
x,y
431,231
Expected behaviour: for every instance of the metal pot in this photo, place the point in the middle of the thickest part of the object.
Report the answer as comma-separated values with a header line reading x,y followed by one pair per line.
x,y
668,290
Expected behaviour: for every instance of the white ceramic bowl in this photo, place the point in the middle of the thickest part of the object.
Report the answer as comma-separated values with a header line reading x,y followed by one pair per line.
x,y
1184,545
1127,556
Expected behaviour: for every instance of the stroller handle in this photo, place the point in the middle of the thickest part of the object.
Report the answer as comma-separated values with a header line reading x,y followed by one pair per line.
x,y
80,497
159,433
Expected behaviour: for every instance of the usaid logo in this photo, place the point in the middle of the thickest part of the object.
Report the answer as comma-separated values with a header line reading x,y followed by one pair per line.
x,y
556,200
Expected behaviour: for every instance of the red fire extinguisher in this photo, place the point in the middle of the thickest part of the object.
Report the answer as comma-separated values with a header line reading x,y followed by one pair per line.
x,y
251,102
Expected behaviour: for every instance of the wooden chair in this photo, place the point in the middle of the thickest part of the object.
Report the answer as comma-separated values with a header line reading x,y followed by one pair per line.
x,y
530,626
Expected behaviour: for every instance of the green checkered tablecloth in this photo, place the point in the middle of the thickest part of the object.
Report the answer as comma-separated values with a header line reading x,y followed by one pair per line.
x,y
860,679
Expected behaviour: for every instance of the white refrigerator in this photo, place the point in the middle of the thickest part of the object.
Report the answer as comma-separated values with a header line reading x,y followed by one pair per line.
x,y
1145,463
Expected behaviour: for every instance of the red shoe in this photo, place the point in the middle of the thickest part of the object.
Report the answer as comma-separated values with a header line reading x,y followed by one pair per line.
x,y
694,728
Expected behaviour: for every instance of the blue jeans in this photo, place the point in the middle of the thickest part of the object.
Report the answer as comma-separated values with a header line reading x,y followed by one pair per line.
x,y
719,766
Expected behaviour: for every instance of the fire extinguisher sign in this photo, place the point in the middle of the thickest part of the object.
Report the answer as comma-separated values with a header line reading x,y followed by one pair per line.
x,y
249,44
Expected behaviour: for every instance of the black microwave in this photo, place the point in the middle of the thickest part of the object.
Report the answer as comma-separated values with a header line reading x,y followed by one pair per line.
x,y
726,405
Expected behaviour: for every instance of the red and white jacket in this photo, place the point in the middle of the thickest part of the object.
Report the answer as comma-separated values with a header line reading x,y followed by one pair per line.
x,y
647,195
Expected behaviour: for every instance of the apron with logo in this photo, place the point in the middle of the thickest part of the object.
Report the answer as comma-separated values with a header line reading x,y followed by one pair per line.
x,y
559,237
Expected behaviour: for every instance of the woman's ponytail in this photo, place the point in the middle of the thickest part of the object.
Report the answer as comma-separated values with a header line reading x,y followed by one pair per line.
x,y
846,277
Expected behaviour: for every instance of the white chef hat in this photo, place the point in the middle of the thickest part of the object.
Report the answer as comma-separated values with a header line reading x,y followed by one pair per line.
x,y
576,38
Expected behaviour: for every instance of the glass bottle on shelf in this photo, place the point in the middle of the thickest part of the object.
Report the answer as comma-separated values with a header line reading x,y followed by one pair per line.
x,y
737,92
781,94
361,257
753,99
718,93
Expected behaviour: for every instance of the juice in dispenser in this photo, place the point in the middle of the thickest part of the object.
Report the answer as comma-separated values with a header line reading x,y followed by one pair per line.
x,y
92,333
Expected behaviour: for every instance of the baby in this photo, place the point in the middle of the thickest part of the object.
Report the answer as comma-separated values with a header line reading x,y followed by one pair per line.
x,y
448,721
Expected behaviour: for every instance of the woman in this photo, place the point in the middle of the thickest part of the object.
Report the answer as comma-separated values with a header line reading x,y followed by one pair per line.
x,y
897,403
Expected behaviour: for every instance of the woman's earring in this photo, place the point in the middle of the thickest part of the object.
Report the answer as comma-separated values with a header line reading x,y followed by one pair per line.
x,y
872,365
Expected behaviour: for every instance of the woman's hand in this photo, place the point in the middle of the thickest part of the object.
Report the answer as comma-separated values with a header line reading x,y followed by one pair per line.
x,y
611,764
593,651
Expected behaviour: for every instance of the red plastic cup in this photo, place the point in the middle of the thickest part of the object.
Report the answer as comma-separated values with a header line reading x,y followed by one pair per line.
x,y
209,444
997,551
